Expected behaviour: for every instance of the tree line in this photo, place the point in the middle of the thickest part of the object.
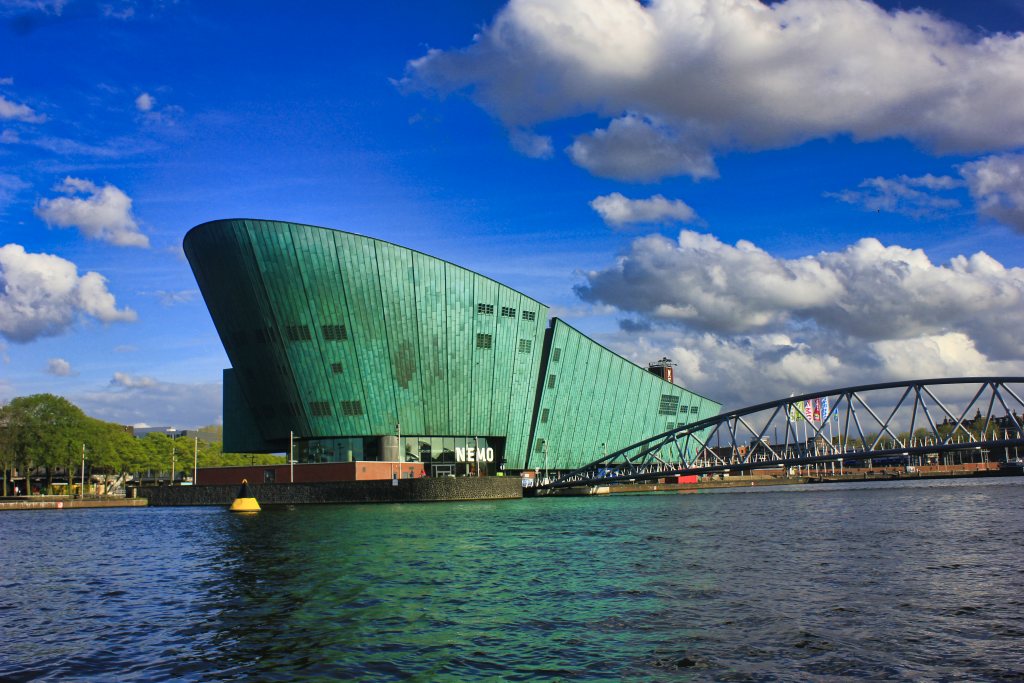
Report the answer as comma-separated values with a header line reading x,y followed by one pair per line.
x,y
44,433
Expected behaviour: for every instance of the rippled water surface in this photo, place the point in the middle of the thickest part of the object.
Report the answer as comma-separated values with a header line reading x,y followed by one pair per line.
x,y
911,581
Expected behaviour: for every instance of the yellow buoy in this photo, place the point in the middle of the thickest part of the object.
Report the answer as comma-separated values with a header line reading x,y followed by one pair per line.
x,y
245,501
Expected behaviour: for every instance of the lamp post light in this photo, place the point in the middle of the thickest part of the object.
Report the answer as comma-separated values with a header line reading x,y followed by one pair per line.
x,y
291,457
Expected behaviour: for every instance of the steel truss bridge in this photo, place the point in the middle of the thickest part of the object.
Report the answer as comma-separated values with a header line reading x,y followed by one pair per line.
x,y
921,418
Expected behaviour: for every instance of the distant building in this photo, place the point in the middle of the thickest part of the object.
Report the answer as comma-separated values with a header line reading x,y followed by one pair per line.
x,y
368,351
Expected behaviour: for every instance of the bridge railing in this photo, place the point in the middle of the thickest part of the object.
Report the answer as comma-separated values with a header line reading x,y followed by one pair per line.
x,y
892,419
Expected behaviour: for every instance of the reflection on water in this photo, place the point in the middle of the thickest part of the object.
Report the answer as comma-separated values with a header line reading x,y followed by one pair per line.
x,y
903,581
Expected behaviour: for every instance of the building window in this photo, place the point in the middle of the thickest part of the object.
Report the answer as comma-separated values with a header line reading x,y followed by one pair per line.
x,y
693,409
320,408
336,368
555,355
529,315
540,446
544,415
669,404
351,408
670,426
525,345
551,381
684,409
508,312
298,333
483,341
485,309
335,332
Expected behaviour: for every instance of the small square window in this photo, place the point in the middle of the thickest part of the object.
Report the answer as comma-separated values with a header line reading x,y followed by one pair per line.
x,y
483,341
525,345
351,408
298,333
320,408
544,415
551,381
555,355
336,368
540,446
508,312
335,332
693,409
529,315
485,309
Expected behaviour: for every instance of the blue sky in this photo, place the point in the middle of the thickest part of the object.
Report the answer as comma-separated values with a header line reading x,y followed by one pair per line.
x,y
780,198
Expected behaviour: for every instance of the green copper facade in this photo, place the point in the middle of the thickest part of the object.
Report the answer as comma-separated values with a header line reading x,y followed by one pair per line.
x,y
344,338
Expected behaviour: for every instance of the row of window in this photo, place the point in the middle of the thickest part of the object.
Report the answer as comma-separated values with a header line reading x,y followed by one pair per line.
x,y
506,311
348,408
294,333
486,341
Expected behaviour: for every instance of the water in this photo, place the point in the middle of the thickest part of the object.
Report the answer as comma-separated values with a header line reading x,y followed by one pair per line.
x,y
902,581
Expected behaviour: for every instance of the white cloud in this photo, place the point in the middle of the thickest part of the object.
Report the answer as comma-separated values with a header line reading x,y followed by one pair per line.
x,y
915,197
530,144
617,210
636,148
7,80
42,295
737,315
105,214
59,367
9,137
997,185
13,111
10,187
142,401
144,102
126,381
177,297
740,74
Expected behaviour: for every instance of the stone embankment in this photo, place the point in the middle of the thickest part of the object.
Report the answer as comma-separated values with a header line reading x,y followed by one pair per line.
x,y
426,489
65,503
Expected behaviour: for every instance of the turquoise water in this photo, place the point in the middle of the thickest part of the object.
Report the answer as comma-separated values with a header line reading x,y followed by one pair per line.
x,y
911,581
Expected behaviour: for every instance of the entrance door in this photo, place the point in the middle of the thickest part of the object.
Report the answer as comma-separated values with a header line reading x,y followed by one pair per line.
x,y
442,470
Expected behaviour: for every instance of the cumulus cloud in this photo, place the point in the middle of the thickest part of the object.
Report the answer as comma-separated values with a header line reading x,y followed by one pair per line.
x,y
996,184
59,367
126,381
617,210
914,197
105,213
13,111
42,295
636,148
530,144
869,311
134,400
145,102
710,76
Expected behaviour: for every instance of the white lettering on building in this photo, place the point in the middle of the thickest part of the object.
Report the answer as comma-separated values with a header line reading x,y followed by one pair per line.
x,y
474,454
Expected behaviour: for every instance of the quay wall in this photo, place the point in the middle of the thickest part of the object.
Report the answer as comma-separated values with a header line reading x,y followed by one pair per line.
x,y
430,489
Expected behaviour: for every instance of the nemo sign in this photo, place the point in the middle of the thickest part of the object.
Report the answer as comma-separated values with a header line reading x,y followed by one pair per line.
x,y
474,455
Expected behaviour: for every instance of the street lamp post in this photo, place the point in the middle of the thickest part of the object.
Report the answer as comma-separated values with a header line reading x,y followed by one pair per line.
x,y
83,471
174,433
195,464
291,457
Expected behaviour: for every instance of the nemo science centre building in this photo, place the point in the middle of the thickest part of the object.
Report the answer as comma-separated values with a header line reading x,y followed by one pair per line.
x,y
358,354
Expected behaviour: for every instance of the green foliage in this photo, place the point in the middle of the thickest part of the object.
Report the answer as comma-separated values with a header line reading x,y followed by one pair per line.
x,y
44,430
